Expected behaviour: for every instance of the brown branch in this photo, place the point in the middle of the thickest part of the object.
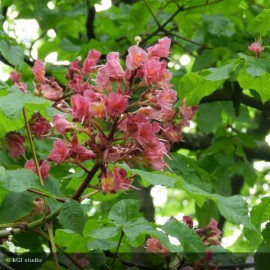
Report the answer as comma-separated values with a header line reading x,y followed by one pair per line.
x,y
86,181
90,21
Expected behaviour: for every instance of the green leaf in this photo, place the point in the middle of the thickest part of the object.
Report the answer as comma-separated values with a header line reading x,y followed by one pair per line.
x,y
19,180
260,212
136,227
209,117
190,241
220,73
15,206
260,84
266,234
155,178
194,87
105,232
72,241
206,212
234,209
261,22
8,125
103,244
3,85
12,104
256,66
68,46
218,25
13,54
262,258
72,216
124,211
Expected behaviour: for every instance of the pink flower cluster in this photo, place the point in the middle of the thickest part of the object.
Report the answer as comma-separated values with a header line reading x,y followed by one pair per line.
x,y
126,115
210,234
154,246
46,87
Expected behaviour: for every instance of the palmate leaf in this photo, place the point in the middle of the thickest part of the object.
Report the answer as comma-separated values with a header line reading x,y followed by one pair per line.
x,y
219,73
261,22
18,180
191,242
71,216
124,211
71,240
15,206
261,212
194,87
255,66
13,54
259,84
155,178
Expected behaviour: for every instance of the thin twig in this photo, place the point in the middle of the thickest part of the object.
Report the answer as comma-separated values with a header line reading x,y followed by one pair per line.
x,y
117,249
153,15
59,199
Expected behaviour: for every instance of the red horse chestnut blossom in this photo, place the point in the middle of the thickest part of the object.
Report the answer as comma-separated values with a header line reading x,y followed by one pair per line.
x,y
257,48
46,87
44,167
126,115
39,126
15,144
154,246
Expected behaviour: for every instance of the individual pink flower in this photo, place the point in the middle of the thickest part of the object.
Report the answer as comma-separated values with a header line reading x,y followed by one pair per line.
x,y
171,132
154,246
114,68
50,89
146,132
151,71
90,62
75,83
150,112
188,220
74,68
166,98
102,79
60,152
187,113
39,126
153,154
107,181
39,71
80,108
120,176
111,182
136,57
15,144
15,76
161,49
117,104
257,48
44,167
62,125
112,154
79,151
210,234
